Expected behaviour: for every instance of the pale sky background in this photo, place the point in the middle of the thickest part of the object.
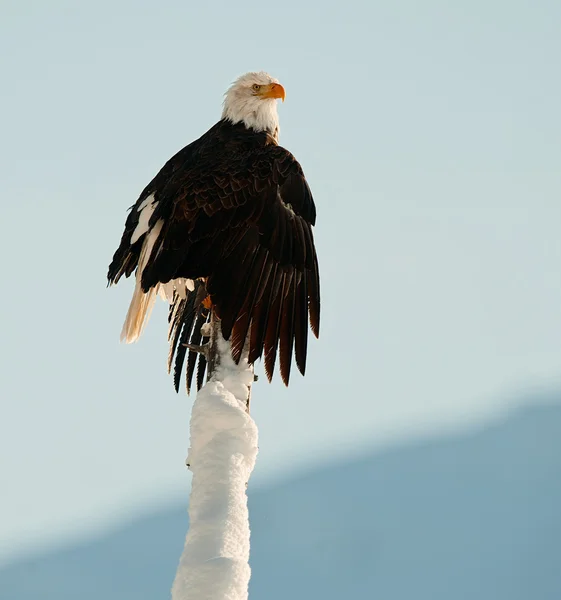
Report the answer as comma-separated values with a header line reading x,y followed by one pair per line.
x,y
430,135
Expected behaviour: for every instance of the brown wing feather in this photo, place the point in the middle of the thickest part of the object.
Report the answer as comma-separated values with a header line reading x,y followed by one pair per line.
x,y
258,278
286,342
261,315
272,332
301,324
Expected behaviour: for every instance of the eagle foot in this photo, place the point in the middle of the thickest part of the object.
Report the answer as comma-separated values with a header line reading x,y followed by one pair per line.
x,y
197,348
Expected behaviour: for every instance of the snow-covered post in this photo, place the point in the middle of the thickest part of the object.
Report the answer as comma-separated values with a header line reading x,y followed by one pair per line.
x,y
215,560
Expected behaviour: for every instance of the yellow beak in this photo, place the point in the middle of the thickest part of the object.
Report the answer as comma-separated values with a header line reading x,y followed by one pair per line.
x,y
273,90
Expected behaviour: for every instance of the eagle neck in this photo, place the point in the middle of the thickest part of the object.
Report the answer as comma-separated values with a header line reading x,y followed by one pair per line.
x,y
249,135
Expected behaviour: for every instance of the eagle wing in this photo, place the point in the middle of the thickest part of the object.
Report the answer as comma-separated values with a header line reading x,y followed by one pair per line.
x,y
242,221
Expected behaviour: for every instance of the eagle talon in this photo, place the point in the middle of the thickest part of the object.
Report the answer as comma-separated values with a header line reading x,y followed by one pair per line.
x,y
200,349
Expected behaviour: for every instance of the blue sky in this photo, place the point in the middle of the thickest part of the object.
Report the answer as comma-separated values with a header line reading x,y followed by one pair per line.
x,y
429,133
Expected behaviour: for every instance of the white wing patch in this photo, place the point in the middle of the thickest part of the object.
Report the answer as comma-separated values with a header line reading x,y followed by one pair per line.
x,y
146,210
142,303
180,285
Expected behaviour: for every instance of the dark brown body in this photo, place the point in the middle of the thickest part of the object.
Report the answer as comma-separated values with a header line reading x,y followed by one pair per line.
x,y
237,212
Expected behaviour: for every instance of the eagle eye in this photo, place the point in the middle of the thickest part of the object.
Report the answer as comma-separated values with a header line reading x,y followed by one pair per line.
x,y
256,87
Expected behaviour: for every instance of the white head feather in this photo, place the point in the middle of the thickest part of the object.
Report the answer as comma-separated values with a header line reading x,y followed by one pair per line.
x,y
244,103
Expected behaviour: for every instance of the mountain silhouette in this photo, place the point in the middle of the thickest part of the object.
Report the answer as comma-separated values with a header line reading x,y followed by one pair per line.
x,y
473,515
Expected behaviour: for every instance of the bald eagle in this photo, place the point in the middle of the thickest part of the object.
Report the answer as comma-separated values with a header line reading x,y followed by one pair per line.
x,y
226,226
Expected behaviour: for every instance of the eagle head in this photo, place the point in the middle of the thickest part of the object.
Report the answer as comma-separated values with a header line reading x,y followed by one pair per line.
x,y
252,100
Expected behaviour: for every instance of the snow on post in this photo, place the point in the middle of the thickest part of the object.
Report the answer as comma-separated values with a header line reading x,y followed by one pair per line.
x,y
215,560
